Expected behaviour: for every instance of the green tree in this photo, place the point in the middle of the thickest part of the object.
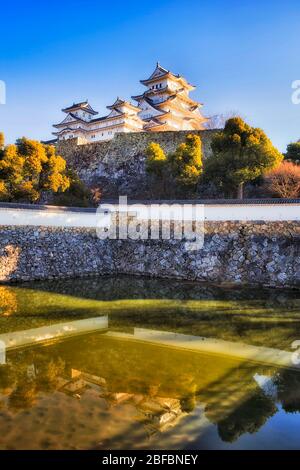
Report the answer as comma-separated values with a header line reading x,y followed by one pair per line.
x,y
241,153
293,152
28,168
156,167
77,193
248,417
156,159
186,162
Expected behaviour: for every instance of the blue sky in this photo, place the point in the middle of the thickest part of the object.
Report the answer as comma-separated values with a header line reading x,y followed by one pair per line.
x,y
243,56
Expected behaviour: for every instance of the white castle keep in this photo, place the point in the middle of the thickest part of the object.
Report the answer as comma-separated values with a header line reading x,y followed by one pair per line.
x,y
164,106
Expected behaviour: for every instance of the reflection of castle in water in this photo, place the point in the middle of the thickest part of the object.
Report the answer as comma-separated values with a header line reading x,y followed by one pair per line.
x,y
163,375
158,413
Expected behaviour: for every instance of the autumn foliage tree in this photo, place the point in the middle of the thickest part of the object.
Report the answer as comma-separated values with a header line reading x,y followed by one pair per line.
x,y
284,181
30,167
1,141
241,153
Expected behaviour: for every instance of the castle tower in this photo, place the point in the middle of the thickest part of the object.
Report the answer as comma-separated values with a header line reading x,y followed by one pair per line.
x,y
166,104
76,123
126,114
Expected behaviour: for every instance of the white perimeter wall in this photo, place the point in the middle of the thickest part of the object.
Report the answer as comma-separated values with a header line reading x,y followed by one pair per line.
x,y
57,217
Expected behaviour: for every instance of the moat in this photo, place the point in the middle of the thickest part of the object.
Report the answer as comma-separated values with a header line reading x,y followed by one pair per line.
x,y
153,364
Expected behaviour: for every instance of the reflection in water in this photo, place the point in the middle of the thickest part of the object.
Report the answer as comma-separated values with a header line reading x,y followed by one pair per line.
x,y
8,301
127,386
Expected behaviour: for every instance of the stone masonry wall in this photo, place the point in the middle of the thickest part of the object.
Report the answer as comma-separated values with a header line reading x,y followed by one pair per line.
x,y
31,253
118,166
266,253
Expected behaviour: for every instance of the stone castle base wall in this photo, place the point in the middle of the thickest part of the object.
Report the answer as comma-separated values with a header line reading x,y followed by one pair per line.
x,y
266,253
118,166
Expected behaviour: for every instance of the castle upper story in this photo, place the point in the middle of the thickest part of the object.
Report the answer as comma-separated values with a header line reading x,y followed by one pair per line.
x,y
165,105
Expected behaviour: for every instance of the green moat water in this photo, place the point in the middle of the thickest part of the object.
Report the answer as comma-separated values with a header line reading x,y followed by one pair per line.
x,y
142,378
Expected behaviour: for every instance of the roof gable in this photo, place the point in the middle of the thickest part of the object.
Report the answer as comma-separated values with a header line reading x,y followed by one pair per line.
x,y
113,113
146,103
158,72
118,102
70,118
83,105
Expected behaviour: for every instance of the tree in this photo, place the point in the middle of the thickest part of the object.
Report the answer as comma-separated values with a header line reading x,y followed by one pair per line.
x,y
248,417
77,194
28,168
96,194
186,162
156,167
54,177
284,181
156,159
2,140
241,153
178,172
293,152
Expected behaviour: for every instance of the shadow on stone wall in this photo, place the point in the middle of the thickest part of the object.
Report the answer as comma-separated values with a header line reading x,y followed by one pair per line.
x,y
118,166
9,259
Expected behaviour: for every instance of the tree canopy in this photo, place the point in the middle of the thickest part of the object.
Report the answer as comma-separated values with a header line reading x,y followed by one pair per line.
x,y
186,161
241,153
1,141
156,159
284,181
30,167
177,172
293,152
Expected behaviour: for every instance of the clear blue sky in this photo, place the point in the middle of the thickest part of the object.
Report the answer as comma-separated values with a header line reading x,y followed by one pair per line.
x,y
242,55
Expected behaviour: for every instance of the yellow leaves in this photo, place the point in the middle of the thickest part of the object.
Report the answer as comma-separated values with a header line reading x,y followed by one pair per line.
x,y
25,190
193,140
156,159
8,301
155,152
57,182
10,153
57,164
50,151
236,125
34,153
4,193
29,167
186,161
2,140
184,165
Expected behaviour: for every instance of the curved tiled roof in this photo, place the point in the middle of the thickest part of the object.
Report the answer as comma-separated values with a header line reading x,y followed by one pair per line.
x,y
162,72
84,105
69,129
